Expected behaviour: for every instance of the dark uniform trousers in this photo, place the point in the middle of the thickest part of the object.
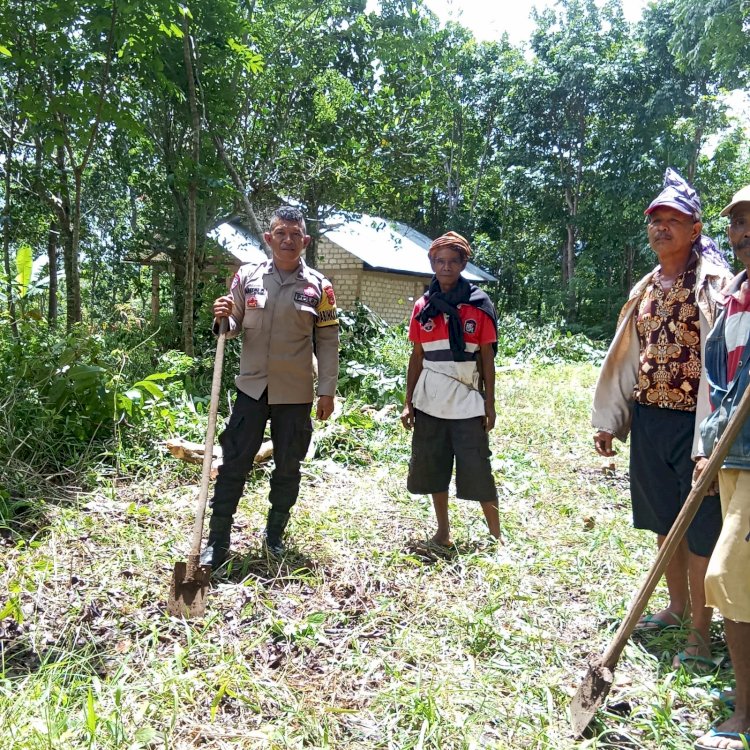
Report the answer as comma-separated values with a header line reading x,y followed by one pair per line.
x,y
291,431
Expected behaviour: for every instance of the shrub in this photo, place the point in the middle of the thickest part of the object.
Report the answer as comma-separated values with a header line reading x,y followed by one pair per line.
x,y
71,400
373,357
546,344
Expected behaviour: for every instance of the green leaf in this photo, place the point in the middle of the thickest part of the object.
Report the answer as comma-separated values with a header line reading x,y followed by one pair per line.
x,y
125,403
24,264
5,51
12,609
150,387
217,700
146,735
85,375
90,713
251,61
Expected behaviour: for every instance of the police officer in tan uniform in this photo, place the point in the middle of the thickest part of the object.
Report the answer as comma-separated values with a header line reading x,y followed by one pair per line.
x,y
281,308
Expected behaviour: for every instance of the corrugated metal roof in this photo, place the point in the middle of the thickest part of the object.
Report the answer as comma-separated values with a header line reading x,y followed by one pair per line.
x,y
241,243
388,245
382,245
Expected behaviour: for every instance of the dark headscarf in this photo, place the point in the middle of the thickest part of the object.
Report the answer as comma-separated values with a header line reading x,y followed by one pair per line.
x,y
464,293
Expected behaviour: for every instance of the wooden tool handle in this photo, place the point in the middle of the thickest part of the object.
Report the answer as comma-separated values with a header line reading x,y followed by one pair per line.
x,y
677,532
208,452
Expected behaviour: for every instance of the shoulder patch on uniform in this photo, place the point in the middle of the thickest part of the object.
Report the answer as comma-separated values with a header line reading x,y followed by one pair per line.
x,y
326,309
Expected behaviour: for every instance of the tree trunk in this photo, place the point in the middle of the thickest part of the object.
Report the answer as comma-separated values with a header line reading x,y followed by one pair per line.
x,y
72,233
569,260
629,260
9,147
694,154
313,229
66,235
73,284
52,238
242,190
482,163
189,286
155,309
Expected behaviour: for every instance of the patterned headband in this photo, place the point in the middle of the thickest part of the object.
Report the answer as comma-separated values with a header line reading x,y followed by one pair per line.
x,y
454,240
677,194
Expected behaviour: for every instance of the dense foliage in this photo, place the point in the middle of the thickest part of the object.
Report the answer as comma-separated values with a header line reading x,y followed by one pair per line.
x,y
130,130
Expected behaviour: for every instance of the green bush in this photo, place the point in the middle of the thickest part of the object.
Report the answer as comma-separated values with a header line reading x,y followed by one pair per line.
x,y
72,400
546,344
373,357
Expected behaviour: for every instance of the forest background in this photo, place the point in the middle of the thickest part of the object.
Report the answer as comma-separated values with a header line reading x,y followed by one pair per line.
x,y
128,131
131,129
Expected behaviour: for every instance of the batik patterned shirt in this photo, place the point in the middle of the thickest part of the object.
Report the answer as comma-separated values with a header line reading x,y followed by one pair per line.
x,y
668,326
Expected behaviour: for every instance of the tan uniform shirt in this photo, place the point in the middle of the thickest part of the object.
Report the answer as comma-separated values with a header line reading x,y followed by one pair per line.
x,y
279,320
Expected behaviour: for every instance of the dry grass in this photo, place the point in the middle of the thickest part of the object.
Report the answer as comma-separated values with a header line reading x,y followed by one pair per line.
x,y
361,637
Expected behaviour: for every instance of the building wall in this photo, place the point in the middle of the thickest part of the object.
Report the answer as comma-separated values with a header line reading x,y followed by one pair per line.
x,y
390,295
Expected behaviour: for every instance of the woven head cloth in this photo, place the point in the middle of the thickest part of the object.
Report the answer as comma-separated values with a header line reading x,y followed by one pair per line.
x,y
453,240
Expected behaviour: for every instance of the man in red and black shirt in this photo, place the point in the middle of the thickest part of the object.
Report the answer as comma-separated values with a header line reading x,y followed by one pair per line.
x,y
450,388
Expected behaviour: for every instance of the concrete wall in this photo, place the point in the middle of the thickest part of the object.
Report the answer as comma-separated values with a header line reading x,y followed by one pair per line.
x,y
390,295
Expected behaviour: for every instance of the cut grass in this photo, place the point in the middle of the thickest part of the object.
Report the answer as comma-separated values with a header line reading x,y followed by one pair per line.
x,y
358,638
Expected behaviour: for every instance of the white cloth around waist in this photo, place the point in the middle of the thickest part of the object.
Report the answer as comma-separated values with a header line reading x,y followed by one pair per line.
x,y
449,390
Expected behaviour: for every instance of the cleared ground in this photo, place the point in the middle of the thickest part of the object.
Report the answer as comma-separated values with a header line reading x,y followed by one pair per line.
x,y
362,637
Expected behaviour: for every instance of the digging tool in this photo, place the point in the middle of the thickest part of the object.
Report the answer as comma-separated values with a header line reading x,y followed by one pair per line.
x,y
598,681
187,594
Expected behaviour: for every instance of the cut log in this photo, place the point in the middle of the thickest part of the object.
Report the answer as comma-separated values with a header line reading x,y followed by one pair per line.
x,y
191,452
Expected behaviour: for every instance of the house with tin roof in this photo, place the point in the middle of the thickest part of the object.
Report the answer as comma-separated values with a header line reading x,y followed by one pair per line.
x,y
382,264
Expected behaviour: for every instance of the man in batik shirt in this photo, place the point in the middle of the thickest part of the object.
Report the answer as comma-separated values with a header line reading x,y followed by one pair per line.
x,y
652,384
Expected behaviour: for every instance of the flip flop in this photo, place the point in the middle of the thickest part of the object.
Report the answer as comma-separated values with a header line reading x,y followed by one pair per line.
x,y
653,623
742,737
726,697
698,663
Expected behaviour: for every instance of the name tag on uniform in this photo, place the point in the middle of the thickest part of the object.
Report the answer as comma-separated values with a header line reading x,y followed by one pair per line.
x,y
308,296
255,297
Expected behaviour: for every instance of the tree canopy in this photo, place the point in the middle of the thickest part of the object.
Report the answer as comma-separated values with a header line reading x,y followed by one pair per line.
x,y
130,130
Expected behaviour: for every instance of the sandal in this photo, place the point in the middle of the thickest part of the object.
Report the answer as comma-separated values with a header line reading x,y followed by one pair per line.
x,y
698,663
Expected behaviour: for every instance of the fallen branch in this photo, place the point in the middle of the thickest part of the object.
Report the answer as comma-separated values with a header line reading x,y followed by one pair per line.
x,y
193,453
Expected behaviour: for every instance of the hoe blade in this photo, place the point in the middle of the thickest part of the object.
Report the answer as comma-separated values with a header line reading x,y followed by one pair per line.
x,y
591,694
187,594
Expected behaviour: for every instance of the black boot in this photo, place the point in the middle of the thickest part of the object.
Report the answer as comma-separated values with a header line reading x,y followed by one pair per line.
x,y
217,547
275,526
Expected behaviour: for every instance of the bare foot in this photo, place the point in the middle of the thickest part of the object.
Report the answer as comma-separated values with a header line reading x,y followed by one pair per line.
x,y
442,541
734,725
